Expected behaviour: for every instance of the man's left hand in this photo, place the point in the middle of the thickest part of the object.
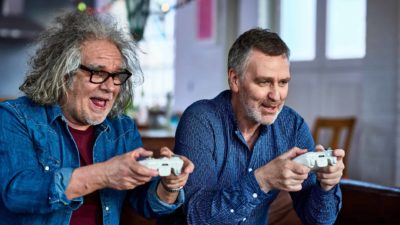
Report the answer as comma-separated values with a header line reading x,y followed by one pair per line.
x,y
173,182
331,175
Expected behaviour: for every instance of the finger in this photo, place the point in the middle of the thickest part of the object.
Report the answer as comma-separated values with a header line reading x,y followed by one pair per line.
x,y
140,178
329,181
291,185
131,182
333,169
331,175
173,183
188,165
292,153
319,148
142,170
141,152
165,151
299,177
339,153
299,169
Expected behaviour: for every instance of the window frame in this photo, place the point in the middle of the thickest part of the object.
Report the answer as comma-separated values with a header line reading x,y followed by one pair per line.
x,y
320,62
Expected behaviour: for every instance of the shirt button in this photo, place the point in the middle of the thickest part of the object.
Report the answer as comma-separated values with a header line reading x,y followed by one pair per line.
x,y
244,219
232,211
107,208
255,195
250,169
46,168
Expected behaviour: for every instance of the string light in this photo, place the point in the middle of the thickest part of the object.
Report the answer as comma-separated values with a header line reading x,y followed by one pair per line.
x,y
164,7
82,6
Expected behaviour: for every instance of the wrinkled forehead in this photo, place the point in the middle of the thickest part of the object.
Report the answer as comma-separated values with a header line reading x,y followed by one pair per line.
x,y
101,52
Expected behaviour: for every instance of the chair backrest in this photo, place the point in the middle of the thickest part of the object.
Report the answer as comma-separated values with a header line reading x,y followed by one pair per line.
x,y
337,140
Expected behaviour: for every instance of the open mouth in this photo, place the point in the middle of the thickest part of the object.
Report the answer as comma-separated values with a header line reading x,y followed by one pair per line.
x,y
99,102
270,109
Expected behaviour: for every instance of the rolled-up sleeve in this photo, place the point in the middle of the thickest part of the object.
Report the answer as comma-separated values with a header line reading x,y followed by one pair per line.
x,y
57,191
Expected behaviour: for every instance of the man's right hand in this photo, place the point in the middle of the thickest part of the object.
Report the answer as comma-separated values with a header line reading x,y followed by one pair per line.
x,y
282,173
125,172
121,172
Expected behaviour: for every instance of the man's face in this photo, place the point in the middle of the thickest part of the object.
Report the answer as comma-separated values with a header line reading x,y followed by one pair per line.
x,y
86,103
264,87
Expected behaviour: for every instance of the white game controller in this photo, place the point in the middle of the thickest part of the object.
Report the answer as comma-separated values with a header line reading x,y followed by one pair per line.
x,y
317,160
164,165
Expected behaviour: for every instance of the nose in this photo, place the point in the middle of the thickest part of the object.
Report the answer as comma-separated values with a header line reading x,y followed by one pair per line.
x,y
273,93
108,85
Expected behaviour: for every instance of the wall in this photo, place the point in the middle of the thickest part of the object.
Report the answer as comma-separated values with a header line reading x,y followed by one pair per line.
x,y
15,53
13,58
379,113
200,70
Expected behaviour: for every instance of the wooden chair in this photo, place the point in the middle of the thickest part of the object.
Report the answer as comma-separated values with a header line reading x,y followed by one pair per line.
x,y
337,139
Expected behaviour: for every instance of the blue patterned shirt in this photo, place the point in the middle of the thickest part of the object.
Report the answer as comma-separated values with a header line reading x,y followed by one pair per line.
x,y
223,188
38,156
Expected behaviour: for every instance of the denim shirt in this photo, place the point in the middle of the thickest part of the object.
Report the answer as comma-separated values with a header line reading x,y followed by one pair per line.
x,y
38,156
223,188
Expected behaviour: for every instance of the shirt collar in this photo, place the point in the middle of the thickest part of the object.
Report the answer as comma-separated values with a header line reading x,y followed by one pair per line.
x,y
55,112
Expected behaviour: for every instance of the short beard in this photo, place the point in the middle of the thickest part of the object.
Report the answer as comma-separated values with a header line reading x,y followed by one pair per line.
x,y
93,122
85,119
255,115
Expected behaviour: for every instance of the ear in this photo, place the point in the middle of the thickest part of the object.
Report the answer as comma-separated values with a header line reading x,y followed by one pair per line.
x,y
233,80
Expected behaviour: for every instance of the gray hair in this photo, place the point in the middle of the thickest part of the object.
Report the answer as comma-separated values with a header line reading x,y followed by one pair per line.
x,y
263,40
59,54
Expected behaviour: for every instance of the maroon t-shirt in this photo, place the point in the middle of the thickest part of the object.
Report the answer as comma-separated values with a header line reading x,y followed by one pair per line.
x,y
90,212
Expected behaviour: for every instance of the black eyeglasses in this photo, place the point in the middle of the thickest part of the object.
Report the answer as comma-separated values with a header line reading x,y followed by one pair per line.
x,y
100,76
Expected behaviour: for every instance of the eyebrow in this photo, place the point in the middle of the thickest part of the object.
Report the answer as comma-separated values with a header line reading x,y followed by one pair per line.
x,y
101,67
287,79
272,79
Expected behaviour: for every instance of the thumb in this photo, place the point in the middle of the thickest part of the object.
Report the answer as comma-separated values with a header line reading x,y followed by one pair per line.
x,y
319,148
140,152
293,153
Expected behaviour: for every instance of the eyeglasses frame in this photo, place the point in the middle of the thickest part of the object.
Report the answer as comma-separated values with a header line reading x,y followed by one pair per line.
x,y
112,75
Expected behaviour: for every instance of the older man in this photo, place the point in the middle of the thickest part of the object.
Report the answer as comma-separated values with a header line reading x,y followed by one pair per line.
x,y
67,154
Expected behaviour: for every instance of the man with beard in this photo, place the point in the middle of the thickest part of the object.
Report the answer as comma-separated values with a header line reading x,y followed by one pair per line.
x,y
67,153
243,142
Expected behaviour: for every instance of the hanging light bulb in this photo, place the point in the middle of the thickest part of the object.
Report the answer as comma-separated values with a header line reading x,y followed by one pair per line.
x,y
165,7
82,6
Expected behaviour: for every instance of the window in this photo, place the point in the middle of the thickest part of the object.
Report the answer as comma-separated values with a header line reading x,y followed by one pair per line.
x,y
297,28
346,29
156,54
301,26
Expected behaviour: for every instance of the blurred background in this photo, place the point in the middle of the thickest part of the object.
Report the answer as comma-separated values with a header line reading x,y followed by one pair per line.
x,y
344,61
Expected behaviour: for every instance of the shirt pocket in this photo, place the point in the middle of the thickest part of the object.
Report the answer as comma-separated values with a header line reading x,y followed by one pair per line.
x,y
47,149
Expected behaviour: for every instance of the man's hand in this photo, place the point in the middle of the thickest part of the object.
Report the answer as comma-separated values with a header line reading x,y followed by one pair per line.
x,y
125,172
282,173
173,182
329,176
121,172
